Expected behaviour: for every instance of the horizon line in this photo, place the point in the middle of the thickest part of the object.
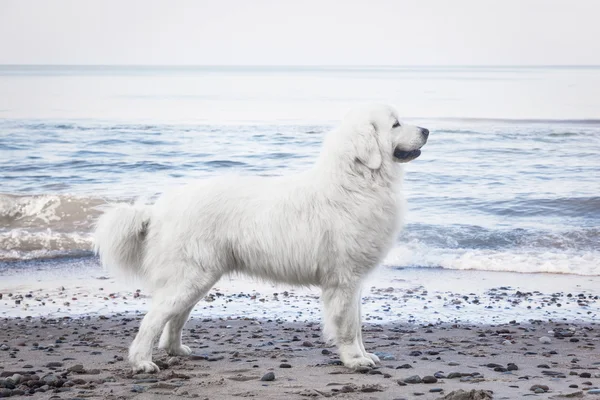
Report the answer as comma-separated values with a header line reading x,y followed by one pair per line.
x,y
312,65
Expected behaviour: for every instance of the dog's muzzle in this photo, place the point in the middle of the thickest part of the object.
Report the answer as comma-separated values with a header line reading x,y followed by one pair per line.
x,y
406,156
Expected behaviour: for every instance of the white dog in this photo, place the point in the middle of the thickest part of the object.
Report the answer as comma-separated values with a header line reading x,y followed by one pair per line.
x,y
328,226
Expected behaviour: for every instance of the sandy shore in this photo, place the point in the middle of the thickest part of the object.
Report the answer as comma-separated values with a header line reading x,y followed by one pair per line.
x,y
86,358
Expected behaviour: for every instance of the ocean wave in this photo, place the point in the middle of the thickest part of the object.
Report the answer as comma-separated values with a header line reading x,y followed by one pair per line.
x,y
64,213
477,237
22,244
512,260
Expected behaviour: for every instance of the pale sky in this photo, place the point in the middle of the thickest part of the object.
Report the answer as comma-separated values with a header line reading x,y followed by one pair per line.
x,y
300,32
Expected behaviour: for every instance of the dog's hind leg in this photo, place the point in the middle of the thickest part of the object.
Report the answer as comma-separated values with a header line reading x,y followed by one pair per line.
x,y
171,300
359,337
170,340
340,303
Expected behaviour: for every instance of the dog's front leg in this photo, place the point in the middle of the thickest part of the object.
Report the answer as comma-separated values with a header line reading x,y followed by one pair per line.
x,y
342,322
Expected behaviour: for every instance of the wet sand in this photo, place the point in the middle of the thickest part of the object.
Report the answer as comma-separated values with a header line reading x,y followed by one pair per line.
x,y
86,357
64,335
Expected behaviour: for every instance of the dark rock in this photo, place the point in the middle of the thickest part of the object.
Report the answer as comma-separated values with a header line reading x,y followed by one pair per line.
x,y
371,388
404,366
5,392
285,365
415,353
454,375
77,368
413,379
512,367
138,389
268,377
585,375
436,390
325,352
54,364
429,379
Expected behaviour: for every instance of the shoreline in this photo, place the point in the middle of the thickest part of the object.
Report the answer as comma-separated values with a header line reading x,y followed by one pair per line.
x,y
86,358
70,325
78,287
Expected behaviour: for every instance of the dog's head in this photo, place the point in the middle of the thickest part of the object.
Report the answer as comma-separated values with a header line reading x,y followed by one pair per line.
x,y
376,135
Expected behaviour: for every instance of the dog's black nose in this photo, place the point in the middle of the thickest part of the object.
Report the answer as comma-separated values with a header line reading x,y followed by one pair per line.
x,y
425,132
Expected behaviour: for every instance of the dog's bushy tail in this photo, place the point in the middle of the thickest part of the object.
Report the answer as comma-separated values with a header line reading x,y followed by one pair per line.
x,y
120,236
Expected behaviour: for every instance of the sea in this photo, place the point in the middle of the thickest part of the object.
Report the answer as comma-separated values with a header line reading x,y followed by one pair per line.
x,y
509,180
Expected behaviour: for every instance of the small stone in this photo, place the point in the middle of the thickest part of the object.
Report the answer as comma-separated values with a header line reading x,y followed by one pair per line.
x,y
50,379
404,366
5,392
54,364
593,391
454,375
436,390
506,342
429,379
585,375
347,389
545,339
77,368
414,379
307,344
138,389
415,353
470,395
17,378
512,367
371,388
268,377
285,365
325,352
539,388
385,356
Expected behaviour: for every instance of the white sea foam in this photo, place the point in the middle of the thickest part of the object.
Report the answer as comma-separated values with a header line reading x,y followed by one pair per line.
x,y
526,260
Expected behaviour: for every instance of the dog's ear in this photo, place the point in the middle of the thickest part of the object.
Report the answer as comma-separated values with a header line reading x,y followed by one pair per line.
x,y
367,147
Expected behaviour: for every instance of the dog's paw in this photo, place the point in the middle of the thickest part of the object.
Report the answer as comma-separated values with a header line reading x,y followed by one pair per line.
x,y
145,366
373,357
357,362
182,350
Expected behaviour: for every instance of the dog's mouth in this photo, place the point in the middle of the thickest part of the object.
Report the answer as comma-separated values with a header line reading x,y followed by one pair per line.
x,y
406,156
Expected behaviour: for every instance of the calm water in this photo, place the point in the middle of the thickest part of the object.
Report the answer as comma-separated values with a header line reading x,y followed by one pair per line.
x,y
509,180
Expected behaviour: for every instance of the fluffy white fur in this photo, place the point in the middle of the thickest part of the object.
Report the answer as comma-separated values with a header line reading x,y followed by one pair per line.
x,y
328,227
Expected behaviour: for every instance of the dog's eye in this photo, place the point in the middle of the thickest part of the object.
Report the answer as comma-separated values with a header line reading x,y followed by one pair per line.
x,y
396,125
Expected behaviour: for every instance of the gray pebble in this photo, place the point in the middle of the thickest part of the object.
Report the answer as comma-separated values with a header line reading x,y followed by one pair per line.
x,y
413,379
269,376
